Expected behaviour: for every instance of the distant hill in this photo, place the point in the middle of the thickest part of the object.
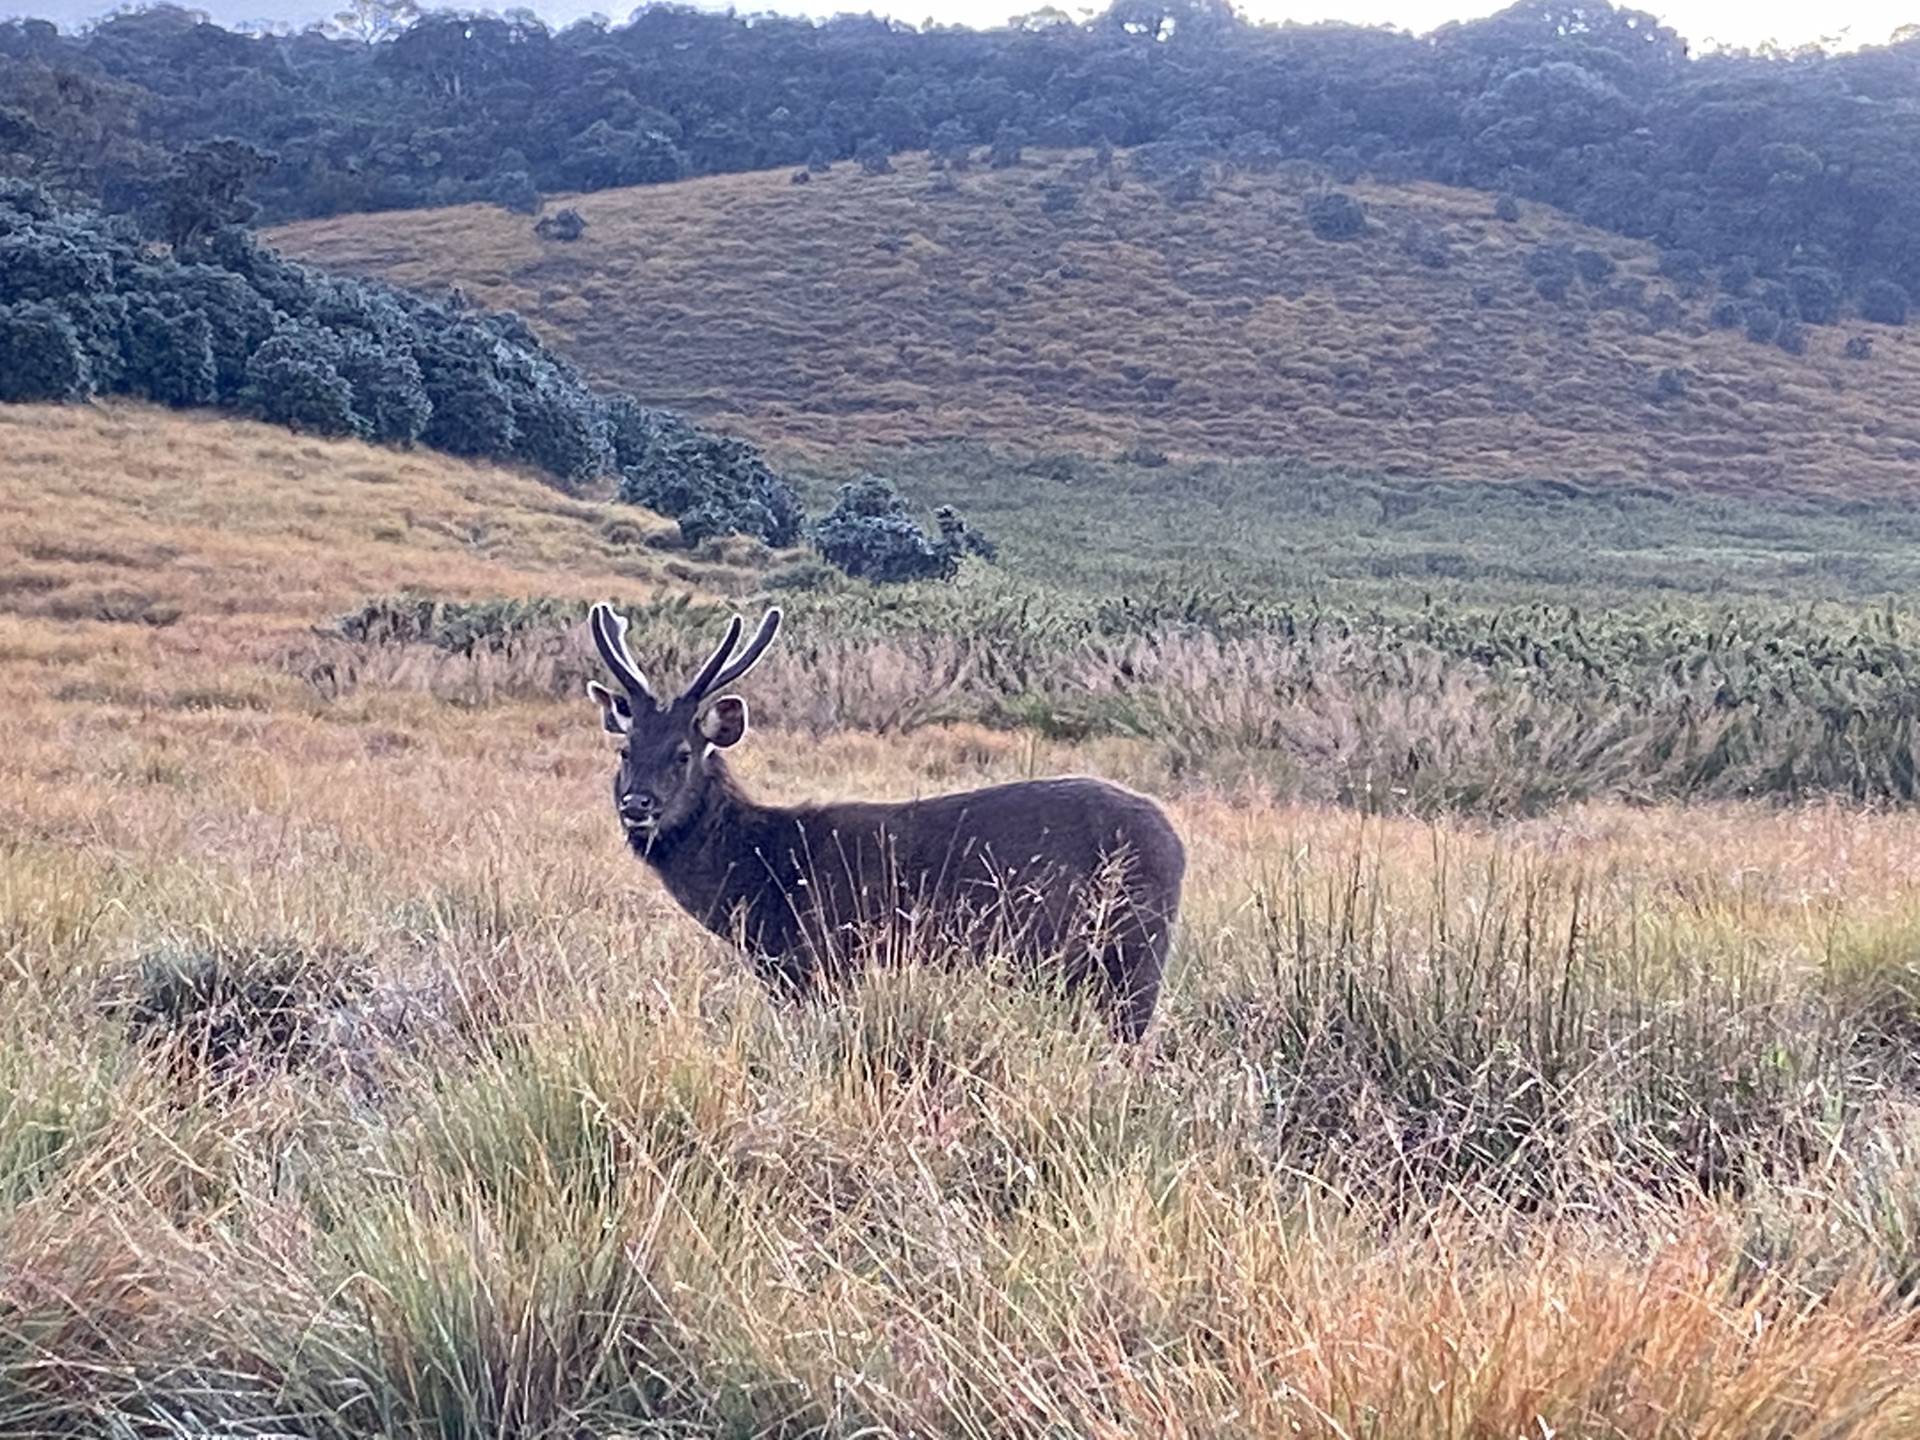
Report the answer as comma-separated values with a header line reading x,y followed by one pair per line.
x,y
1056,306
1803,167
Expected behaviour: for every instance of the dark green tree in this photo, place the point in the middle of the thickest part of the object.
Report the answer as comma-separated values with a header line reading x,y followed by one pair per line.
x,y
169,353
41,357
871,534
203,192
708,484
1885,302
292,381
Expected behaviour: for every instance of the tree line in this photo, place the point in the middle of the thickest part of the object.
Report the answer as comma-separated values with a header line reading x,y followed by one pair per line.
x,y
89,306
1761,161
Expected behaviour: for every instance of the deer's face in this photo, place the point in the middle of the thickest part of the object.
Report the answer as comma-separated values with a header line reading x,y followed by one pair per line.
x,y
666,760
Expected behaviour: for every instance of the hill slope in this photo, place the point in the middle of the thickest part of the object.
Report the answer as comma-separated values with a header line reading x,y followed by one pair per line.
x,y
1039,307
193,543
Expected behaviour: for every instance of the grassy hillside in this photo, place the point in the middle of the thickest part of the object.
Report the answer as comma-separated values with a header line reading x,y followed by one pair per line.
x,y
1037,307
129,532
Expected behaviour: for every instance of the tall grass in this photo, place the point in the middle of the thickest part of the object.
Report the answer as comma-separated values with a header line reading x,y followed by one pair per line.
x,y
355,1080
1443,1129
1496,711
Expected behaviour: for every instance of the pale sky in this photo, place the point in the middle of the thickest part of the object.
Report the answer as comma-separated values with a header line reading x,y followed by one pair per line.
x,y
1702,22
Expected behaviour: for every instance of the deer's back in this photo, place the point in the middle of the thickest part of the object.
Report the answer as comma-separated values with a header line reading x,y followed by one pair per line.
x,y
1035,848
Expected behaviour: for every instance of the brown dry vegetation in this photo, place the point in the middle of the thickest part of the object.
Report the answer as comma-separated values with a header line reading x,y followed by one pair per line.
x,y
875,310
353,1080
140,532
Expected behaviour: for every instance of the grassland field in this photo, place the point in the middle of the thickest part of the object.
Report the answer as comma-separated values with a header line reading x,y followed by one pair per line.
x,y
355,1081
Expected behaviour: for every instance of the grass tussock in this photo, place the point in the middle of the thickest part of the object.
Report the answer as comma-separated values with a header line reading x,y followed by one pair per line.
x,y
883,310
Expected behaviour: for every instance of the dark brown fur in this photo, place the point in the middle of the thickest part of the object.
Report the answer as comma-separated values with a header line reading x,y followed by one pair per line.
x,y
1073,871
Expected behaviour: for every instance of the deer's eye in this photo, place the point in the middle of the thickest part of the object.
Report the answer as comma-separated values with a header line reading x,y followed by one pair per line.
x,y
684,753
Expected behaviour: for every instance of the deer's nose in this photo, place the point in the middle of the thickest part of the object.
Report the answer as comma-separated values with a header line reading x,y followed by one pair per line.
x,y
637,808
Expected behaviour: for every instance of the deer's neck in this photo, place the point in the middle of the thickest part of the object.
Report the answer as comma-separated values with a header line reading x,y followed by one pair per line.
x,y
716,864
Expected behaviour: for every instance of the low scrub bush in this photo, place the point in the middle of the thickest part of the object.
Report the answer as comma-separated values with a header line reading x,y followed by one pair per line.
x,y
871,534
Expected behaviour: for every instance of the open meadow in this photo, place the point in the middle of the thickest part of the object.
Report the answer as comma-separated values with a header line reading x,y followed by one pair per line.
x,y
355,1080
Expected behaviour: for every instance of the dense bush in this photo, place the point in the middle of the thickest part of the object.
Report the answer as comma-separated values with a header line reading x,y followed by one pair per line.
x,y
1884,302
1816,293
40,354
871,534
708,484
87,308
1336,215
1596,267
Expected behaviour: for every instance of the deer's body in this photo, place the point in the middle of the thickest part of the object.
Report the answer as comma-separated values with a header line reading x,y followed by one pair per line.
x,y
1073,871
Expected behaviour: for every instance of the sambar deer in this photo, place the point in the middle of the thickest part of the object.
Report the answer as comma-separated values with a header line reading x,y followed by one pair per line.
x,y
1074,872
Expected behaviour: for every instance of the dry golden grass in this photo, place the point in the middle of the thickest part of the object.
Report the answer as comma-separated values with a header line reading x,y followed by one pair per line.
x,y
128,532
530,1155
872,310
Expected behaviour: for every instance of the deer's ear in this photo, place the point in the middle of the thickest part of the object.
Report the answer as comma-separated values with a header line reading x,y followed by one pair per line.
x,y
615,713
726,722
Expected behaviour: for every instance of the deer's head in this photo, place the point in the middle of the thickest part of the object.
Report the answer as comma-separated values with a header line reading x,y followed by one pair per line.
x,y
667,762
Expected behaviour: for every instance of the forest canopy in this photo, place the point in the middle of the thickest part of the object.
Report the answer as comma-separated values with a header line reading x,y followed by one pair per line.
x,y
1760,162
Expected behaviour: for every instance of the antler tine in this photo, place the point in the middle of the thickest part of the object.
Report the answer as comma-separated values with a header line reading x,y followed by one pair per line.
x,y
703,682
763,637
609,628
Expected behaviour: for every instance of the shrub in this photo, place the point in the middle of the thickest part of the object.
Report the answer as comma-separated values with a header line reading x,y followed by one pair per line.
x,y
1727,313
560,425
872,156
1428,245
1816,293
472,408
51,264
1596,267
389,394
871,534
568,224
708,484
291,380
1884,302
1336,215
1684,267
1506,208
1006,151
40,355
514,190
169,355
231,1012
950,145
1663,311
